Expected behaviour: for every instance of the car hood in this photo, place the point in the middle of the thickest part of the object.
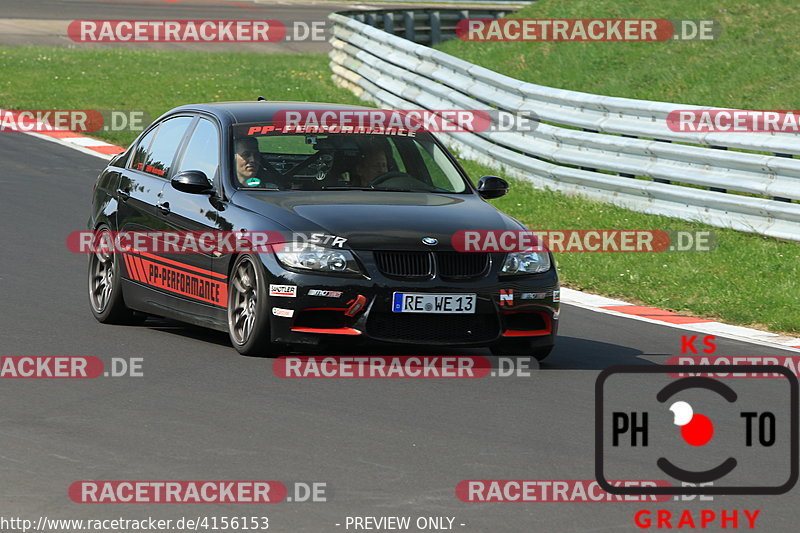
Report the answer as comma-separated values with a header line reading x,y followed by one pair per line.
x,y
374,219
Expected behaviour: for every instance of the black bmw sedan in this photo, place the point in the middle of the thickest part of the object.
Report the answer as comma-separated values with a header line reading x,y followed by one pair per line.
x,y
368,217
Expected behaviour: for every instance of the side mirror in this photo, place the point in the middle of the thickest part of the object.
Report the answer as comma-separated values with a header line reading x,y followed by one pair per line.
x,y
490,187
192,181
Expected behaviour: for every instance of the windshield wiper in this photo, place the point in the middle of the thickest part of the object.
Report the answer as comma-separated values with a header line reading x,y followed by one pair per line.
x,y
381,189
348,188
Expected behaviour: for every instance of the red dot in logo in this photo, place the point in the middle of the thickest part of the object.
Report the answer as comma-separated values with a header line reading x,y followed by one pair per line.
x,y
698,431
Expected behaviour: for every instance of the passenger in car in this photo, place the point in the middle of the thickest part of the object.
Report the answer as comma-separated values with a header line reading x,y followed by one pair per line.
x,y
371,163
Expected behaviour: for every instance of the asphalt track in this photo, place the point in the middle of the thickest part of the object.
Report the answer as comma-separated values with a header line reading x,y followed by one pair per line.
x,y
201,411
44,22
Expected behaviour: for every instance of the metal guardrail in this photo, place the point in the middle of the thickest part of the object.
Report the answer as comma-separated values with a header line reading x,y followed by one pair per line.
x,y
617,150
515,4
423,26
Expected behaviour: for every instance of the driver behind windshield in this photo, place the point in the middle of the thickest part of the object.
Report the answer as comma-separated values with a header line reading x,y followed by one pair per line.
x,y
249,165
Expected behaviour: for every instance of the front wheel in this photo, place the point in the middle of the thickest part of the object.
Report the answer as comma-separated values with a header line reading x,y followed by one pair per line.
x,y
248,321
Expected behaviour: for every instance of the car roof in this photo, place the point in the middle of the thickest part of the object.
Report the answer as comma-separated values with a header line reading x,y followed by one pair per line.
x,y
258,111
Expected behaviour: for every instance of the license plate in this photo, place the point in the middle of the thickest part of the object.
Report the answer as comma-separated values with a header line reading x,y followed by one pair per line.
x,y
407,302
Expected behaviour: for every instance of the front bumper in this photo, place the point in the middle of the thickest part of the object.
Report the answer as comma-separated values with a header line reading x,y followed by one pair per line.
x,y
326,307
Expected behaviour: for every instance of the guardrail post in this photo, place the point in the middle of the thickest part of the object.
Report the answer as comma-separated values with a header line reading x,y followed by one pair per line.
x,y
659,180
369,19
589,168
462,14
436,28
625,174
718,189
781,198
408,18
388,22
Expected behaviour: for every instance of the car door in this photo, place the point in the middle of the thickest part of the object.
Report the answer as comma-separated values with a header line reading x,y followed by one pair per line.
x,y
140,189
203,296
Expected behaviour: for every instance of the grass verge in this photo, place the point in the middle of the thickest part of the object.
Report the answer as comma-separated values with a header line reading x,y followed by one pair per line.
x,y
155,81
747,280
752,65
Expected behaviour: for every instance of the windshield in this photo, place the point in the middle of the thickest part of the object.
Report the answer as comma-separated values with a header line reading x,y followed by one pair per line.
x,y
266,158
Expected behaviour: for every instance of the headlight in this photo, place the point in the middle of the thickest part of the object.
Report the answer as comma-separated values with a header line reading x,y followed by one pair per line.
x,y
526,263
318,259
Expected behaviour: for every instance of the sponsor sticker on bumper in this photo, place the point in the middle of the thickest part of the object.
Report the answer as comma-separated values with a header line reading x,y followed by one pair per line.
x,y
325,293
283,290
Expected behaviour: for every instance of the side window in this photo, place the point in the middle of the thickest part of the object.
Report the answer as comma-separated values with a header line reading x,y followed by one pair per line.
x,y
162,152
143,150
398,159
438,177
441,172
202,152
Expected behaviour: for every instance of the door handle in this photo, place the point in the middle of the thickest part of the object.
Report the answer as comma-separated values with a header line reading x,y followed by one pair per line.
x,y
123,195
163,207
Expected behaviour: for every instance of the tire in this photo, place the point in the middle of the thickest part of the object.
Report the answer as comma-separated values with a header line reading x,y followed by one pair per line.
x,y
519,347
105,289
248,319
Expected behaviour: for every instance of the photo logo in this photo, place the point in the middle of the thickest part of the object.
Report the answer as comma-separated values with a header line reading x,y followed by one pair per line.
x,y
696,429
740,435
